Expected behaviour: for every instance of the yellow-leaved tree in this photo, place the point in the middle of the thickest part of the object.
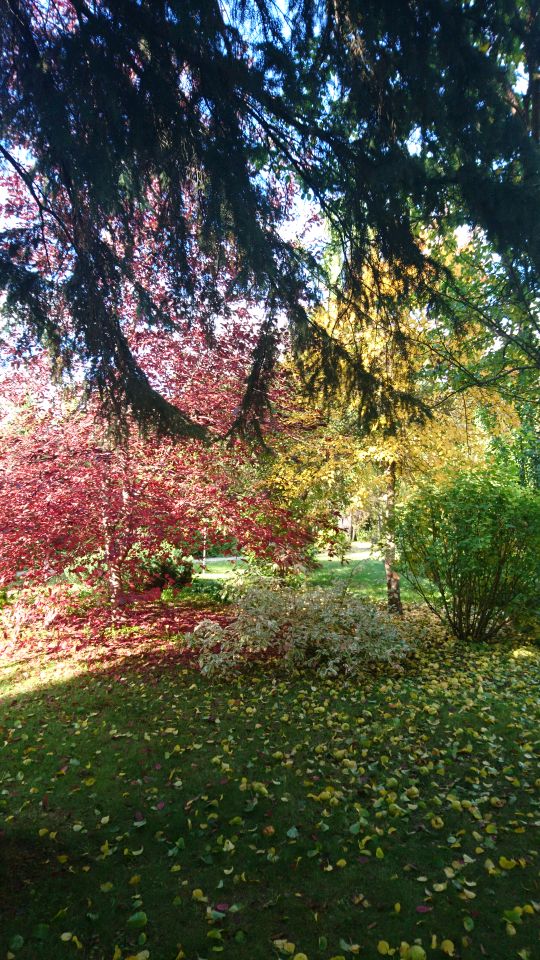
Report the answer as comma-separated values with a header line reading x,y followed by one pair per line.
x,y
393,412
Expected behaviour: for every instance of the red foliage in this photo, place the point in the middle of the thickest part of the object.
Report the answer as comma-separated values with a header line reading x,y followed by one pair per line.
x,y
67,494
46,625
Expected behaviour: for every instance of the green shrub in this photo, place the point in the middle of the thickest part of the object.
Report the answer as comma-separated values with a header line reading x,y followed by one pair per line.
x,y
471,547
199,593
165,567
328,631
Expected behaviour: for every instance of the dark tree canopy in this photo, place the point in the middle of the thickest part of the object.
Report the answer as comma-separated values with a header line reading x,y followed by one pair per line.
x,y
168,132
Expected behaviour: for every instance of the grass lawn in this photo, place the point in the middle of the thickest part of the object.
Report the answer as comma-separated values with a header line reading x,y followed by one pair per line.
x,y
145,812
148,810
363,572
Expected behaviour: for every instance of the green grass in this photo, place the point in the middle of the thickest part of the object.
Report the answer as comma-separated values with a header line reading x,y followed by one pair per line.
x,y
149,813
362,571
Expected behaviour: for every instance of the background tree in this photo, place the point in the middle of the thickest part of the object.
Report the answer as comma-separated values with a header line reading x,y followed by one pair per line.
x,y
484,324
71,498
418,423
518,452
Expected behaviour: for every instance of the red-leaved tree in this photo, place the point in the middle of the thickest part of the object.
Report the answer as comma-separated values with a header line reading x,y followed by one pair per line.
x,y
70,497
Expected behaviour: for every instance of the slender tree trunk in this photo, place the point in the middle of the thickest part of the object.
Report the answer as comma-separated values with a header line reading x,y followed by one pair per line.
x,y
114,531
114,581
112,570
204,548
392,577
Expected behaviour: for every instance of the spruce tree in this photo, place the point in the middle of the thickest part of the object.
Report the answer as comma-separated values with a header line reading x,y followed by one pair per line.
x,y
171,129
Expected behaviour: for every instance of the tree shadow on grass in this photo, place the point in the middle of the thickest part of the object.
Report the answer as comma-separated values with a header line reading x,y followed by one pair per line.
x,y
117,781
23,865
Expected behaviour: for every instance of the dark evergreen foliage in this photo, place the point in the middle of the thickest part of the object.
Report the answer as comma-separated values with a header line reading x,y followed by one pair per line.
x,y
175,125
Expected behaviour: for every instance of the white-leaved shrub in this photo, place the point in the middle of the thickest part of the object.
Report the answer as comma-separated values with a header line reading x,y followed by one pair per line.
x,y
329,631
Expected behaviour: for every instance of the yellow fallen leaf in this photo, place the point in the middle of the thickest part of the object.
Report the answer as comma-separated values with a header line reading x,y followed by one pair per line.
x,y
284,946
416,953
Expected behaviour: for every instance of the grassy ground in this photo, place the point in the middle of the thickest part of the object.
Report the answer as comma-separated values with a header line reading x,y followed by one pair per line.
x,y
148,813
363,571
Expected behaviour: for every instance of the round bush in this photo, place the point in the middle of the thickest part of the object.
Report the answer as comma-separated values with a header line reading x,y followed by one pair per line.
x,y
471,547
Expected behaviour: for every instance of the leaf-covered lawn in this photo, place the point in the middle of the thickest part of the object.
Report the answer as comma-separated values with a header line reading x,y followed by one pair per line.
x,y
149,813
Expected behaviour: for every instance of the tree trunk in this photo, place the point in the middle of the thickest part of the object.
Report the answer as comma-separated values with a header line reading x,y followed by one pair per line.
x,y
112,570
204,548
114,582
392,577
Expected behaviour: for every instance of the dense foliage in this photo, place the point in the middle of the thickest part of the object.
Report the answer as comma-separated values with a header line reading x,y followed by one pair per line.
x,y
73,501
471,546
313,225
173,132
